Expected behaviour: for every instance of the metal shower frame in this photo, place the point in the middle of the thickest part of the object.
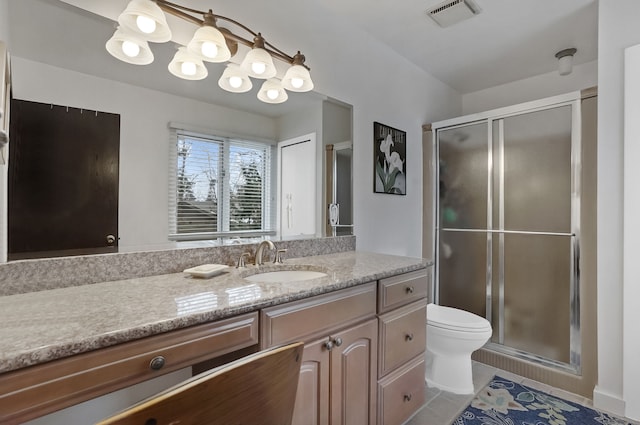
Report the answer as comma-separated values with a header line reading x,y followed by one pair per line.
x,y
572,99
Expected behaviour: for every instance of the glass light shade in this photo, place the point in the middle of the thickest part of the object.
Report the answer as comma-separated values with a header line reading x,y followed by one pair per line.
x,y
209,44
297,78
123,45
137,18
272,92
255,59
235,80
187,65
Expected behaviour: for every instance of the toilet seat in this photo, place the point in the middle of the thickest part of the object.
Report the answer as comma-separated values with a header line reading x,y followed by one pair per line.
x,y
455,320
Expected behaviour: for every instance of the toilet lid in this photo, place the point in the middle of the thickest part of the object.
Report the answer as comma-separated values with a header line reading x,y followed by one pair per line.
x,y
453,318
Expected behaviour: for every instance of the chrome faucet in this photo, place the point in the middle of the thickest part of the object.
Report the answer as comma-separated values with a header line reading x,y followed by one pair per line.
x,y
258,259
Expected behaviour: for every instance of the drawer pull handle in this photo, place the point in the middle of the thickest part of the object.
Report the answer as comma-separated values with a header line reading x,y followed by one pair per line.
x,y
409,289
408,337
157,363
328,345
337,341
407,398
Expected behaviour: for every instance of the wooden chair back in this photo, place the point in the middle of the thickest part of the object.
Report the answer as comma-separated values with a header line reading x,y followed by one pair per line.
x,y
258,389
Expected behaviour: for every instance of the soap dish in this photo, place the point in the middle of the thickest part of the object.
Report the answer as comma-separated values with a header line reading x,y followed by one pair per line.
x,y
206,270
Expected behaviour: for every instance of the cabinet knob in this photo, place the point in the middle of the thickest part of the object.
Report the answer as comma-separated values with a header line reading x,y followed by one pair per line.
x,y
328,345
337,341
157,363
409,289
407,398
408,337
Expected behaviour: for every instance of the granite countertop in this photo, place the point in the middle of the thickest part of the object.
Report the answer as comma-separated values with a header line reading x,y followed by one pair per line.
x,y
41,326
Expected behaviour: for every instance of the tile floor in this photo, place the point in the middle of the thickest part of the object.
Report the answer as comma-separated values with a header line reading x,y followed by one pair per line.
x,y
442,407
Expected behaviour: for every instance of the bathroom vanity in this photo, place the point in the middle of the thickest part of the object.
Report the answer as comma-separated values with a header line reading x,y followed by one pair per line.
x,y
363,326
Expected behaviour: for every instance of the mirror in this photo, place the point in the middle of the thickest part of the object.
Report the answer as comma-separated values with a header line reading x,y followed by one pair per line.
x,y
59,58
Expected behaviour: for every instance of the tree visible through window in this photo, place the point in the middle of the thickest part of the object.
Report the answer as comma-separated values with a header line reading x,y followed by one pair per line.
x,y
222,186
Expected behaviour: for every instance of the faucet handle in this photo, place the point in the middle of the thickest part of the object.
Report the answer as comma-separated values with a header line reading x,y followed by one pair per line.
x,y
241,262
279,257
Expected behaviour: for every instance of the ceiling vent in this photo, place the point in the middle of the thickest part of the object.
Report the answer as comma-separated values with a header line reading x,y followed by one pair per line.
x,y
453,11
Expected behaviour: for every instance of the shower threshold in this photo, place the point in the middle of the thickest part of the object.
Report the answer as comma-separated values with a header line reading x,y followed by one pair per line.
x,y
574,369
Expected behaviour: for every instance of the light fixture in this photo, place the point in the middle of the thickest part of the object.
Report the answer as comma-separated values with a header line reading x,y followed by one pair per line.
x,y
297,77
235,80
565,60
272,92
187,65
145,20
209,43
129,48
258,62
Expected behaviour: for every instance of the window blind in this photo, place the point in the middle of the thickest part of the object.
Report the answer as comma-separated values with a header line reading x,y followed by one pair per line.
x,y
219,187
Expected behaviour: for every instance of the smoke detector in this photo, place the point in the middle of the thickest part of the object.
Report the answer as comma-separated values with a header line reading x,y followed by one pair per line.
x,y
453,11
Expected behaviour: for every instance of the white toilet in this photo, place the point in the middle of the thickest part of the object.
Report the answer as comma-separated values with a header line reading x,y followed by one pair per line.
x,y
452,335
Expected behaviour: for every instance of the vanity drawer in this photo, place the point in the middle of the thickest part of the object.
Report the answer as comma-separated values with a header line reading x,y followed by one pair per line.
x,y
38,390
401,393
402,335
402,289
301,320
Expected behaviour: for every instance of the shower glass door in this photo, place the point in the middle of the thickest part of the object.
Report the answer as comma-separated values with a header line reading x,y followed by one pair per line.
x,y
462,217
508,226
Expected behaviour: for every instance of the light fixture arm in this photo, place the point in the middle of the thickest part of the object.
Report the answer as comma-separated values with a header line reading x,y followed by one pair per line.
x,y
209,18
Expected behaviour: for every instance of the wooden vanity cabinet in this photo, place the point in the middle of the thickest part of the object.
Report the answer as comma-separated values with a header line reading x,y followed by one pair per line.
x,y
38,390
402,315
363,361
339,363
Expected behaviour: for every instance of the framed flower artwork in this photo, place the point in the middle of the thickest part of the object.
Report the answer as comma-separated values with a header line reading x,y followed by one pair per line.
x,y
389,154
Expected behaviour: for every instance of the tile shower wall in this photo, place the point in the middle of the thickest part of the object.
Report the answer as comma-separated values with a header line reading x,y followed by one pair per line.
x,y
37,275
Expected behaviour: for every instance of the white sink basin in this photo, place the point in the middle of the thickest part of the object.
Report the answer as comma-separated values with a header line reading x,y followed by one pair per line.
x,y
285,276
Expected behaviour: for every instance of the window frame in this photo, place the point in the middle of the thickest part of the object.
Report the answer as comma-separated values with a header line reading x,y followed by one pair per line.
x,y
226,141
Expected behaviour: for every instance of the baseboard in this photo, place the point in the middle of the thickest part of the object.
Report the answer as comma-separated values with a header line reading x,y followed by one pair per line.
x,y
608,402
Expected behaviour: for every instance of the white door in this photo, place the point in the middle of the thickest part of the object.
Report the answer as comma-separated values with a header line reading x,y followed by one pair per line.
x,y
297,159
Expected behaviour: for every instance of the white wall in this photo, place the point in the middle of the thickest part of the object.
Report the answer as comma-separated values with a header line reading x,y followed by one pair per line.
x,y
144,136
631,273
617,29
538,87
4,21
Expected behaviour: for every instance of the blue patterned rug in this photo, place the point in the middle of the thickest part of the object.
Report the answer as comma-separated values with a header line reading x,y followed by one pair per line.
x,y
504,402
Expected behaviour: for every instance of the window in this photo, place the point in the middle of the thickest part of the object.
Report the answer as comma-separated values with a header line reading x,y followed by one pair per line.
x,y
219,187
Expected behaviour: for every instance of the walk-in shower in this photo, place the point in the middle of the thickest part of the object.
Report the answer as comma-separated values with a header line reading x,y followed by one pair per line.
x,y
508,226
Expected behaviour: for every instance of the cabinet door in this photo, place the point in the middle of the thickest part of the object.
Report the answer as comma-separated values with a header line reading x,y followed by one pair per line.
x,y
353,375
312,398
